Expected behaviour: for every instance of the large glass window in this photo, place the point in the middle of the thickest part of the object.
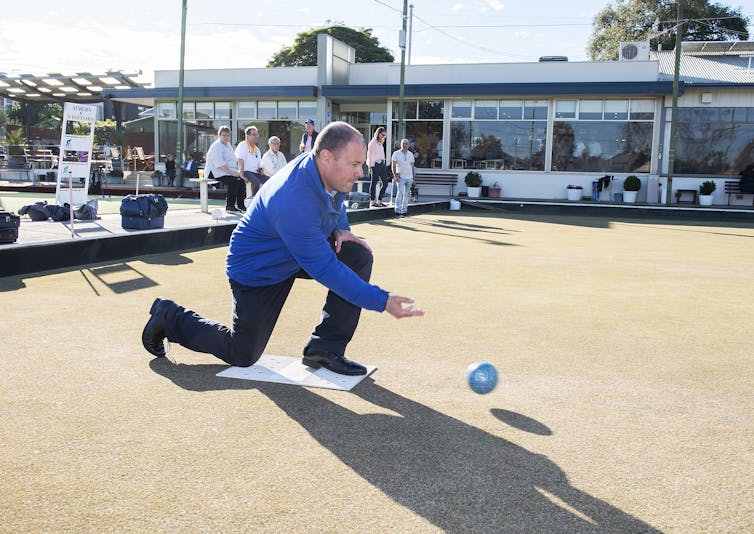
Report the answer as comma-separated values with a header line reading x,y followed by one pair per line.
x,y
423,126
503,134
714,140
604,138
205,110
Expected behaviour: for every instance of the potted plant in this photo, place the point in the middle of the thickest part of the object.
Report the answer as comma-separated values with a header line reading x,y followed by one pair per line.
x,y
157,178
705,192
473,184
631,186
574,192
495,190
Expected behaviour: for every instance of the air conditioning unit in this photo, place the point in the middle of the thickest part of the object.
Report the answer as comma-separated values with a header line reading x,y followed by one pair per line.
x,y
634,51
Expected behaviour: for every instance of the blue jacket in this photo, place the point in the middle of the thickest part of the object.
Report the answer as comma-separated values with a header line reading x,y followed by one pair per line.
x,y
286,229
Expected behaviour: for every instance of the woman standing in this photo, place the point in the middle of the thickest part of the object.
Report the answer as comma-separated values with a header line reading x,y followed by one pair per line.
x,y
377,167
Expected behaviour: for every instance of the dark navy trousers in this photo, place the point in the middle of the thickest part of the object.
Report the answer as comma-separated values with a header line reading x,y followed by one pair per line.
x,y
255,312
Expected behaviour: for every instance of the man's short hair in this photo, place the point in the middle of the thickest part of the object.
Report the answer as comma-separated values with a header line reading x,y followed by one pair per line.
x,y
249,129
223,129
273,139
335,136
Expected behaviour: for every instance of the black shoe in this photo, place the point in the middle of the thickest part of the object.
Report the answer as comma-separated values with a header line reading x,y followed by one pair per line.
x,y
332,361
154,331
232,210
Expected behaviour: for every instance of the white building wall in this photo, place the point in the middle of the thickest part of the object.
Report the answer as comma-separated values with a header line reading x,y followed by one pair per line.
x,y
271,76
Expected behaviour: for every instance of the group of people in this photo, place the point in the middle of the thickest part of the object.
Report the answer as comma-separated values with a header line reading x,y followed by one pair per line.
x,y
403,165
296,227
235,167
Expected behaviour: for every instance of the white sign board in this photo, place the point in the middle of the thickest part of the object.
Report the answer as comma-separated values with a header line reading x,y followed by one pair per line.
x,y
75,160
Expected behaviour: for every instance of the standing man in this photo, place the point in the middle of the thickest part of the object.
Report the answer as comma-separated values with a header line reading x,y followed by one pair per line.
x,y
309,137
295,228
221,165
273,160
403,170
250,162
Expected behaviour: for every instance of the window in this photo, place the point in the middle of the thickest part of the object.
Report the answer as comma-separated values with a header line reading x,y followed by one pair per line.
x,y
222,110
604,138
565,109
287,110
511,109
461,109
205,110
485,109
423,125
307,110
713,140
189,111
247,110
515,140
267,109
166,110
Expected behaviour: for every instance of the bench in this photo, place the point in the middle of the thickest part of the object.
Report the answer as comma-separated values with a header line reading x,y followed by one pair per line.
x,y
733,187
449,179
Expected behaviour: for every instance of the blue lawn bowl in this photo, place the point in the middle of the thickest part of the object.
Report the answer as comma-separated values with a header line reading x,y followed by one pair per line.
x,y
482,377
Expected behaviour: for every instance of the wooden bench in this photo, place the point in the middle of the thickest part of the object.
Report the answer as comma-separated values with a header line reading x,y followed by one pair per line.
x,y
733,187
449,179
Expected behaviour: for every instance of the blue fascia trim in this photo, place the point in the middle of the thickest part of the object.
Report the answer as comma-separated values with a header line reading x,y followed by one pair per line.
x,y
284,91
475,89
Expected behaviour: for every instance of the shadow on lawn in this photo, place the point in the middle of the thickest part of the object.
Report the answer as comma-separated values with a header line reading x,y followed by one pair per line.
x,y
460,478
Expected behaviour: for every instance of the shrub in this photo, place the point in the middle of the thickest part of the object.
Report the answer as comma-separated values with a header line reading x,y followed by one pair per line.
x,y
473,179
707,187
632,183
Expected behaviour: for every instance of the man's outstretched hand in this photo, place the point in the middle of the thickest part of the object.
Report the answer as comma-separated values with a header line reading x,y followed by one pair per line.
x,y
395,307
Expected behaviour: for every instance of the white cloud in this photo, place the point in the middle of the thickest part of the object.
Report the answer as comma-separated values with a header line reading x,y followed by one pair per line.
x,y
495,4
457,8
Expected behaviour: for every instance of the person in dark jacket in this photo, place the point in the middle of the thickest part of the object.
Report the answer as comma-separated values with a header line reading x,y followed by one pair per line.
x,y
296,227
309,137
747,179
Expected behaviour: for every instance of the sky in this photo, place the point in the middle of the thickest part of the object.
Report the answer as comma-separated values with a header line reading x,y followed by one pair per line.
x,y
144,35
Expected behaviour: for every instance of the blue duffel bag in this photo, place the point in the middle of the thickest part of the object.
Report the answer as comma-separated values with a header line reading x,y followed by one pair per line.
x,y
141,212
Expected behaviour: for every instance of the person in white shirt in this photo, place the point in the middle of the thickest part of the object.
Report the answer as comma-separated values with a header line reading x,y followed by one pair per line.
x,y
221,165
250,160
377,167
273,160
403,171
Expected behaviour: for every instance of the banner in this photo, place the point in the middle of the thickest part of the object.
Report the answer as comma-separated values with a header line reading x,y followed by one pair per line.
x,y
75,160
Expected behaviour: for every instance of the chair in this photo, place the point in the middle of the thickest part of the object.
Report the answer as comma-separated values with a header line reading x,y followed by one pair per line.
x,y
147,162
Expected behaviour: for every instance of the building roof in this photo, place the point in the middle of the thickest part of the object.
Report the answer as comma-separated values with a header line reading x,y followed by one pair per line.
x,y
82,87
711,63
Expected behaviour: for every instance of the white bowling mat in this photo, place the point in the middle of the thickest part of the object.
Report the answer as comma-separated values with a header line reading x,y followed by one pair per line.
x,y
286,370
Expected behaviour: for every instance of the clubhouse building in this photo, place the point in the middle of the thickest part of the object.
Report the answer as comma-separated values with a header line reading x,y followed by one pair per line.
x,y
532,128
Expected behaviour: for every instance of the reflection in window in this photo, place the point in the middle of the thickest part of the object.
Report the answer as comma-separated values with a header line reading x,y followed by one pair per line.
x,y
498,144
307,110
427,136
485,109
461,109
510,109
590,110
287,110
602,146
247,110
205,110
267,109
565,109
616,110
166,110
222,110
714,140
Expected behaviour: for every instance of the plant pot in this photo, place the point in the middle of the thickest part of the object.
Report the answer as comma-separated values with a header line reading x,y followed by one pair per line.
x,y
156,182
474,192
629,196
574,194
495,192
705,200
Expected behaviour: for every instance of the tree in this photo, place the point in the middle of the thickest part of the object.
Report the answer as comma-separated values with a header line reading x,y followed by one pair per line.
x,y
640,20
303,52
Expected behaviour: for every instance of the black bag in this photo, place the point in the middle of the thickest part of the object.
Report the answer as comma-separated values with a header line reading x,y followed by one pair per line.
x,y
36,212
9,223
143,211
87,212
